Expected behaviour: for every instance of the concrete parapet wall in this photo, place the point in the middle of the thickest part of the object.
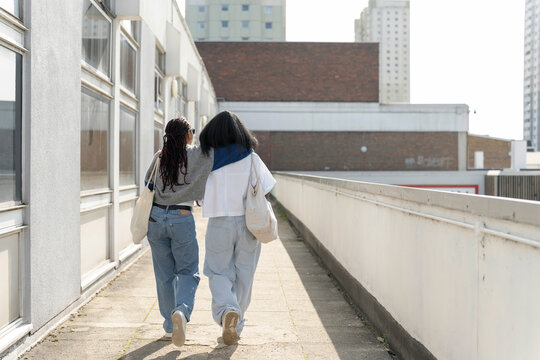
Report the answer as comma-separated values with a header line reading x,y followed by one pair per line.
x,y
442,275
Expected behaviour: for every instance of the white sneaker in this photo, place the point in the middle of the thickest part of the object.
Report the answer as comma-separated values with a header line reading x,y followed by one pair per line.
x,y
179,328
168,335
229,322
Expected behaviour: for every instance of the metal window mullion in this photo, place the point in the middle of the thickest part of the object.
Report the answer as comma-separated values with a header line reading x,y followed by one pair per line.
x,y
114,139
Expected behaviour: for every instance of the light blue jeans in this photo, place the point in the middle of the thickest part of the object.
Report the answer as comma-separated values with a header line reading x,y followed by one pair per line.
x,y
230,263
175,254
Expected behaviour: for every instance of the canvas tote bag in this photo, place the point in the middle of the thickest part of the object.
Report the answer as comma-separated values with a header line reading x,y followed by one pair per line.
x,y
260,218
143,206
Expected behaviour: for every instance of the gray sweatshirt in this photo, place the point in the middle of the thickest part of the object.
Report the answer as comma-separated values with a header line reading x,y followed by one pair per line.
x,y
199,167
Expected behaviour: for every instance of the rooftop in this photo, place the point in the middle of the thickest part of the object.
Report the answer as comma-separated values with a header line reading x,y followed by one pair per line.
x,y
293,71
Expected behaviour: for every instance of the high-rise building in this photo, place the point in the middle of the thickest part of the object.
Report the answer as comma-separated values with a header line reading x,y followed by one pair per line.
x,y
236,20
531,83
387,22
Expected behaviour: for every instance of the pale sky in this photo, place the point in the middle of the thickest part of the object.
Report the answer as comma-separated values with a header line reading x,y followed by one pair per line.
x,y
462,52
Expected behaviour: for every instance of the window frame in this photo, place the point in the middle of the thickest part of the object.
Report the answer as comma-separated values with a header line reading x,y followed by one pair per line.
x,y
101,96
111,54
14,25
159,77
128,109
135,46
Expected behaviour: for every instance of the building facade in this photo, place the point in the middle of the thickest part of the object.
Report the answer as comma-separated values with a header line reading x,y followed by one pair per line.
x,y
236,20
87,88
531,83
387,22
315,107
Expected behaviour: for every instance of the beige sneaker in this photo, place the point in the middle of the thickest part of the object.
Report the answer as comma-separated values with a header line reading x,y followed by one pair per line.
x,y
179,328
229,322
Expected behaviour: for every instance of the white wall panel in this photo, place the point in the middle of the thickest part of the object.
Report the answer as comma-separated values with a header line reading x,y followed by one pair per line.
x,y
9,279
124,220
94,239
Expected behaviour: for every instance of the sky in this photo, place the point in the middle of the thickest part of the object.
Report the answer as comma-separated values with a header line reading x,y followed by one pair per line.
x,y
462,52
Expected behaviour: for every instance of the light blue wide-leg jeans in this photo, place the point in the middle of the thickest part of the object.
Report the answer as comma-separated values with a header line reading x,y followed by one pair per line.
x,y
175,255
232,254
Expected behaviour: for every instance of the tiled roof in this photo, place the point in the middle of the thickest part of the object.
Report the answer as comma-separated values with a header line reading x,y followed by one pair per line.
x,y
292,71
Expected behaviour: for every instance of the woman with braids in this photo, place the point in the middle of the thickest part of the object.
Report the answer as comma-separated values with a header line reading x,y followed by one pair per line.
x,y
181,180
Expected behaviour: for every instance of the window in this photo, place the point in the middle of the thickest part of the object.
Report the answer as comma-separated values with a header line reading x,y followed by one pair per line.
x,y
202,9
160,60
159,73
224,38
245,24
10,125
128,65
158,137
94,141
224,7
184,99
268,9
11,6
245,7
96,39
158,96
245,38
131,27
268,25
128,149
202,25
224,24
181,98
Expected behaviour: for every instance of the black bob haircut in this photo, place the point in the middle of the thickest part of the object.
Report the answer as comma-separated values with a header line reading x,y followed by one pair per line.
x,y
226,129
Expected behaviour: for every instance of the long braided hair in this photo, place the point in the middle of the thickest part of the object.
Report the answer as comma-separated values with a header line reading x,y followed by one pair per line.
x,y
173,156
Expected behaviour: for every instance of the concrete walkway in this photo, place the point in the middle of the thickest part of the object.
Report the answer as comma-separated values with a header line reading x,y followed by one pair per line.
x,y
296,313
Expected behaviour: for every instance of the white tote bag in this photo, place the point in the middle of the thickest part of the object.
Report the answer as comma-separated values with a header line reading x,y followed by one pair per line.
x,y
260,218
143,207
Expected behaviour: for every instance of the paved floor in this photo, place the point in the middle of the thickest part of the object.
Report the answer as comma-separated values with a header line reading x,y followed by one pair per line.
x,y
296,313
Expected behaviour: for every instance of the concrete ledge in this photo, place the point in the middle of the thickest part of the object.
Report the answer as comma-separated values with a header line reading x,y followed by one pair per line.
x,y
399,339
515,210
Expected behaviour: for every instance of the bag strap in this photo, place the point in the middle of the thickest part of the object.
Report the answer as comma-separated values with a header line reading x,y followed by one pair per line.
x,y
153,174
253,168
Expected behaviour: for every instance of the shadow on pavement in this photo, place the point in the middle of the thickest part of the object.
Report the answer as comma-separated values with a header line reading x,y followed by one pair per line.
x,y
351,335
147,351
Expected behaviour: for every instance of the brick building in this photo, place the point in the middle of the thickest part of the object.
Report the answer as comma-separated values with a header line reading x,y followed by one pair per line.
x,y
315,106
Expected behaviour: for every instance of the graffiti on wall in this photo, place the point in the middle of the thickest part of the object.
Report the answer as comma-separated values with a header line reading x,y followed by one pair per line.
x,y
428,162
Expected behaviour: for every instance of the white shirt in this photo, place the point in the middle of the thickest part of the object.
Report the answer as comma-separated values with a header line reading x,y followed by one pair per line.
x,y
226,187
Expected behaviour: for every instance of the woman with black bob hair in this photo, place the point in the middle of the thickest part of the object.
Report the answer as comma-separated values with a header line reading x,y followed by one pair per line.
x,y
232,253
226,130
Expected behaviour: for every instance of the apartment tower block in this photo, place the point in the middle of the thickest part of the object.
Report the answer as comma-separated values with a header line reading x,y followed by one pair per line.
x,y
387,22
531,83
236,20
